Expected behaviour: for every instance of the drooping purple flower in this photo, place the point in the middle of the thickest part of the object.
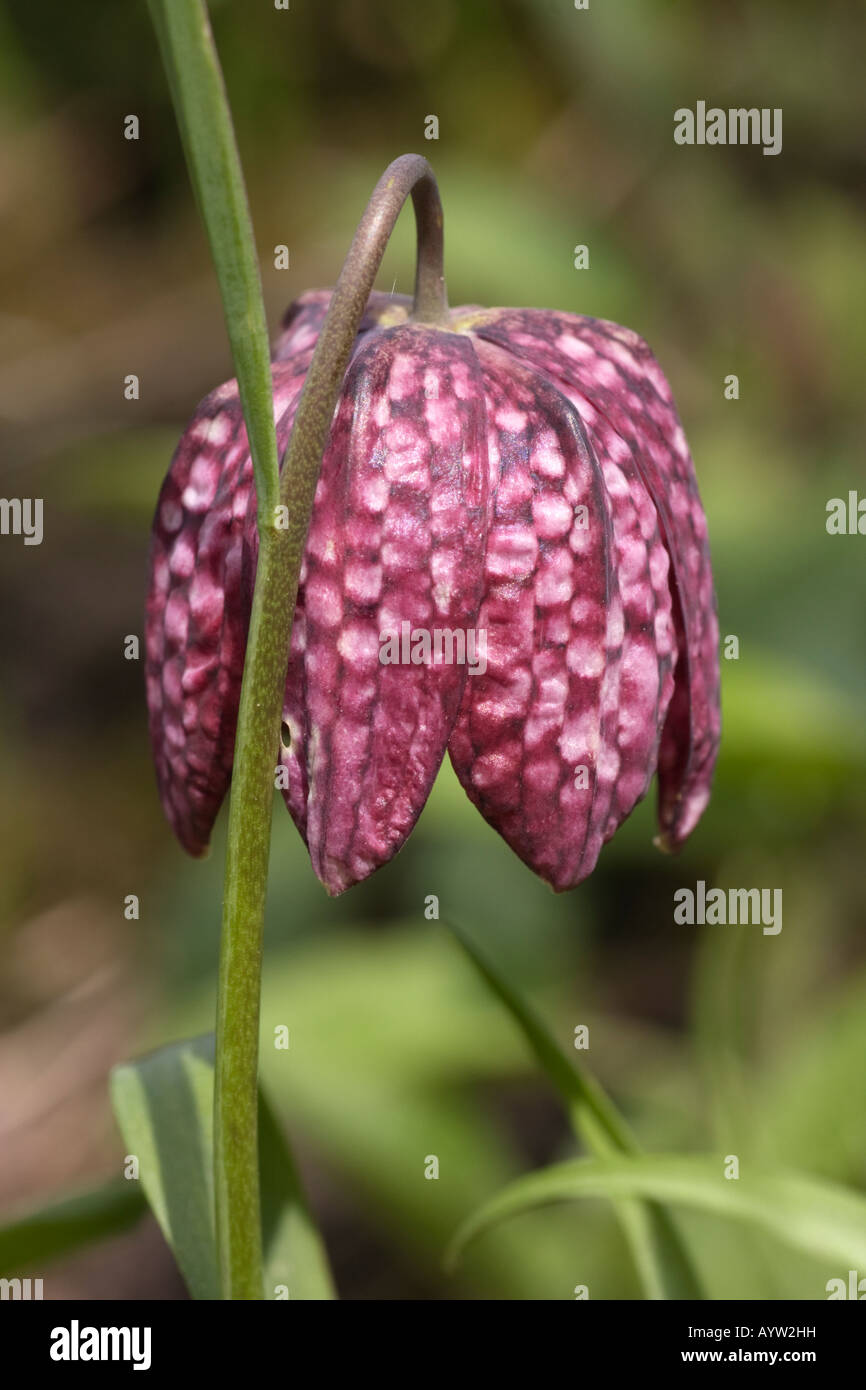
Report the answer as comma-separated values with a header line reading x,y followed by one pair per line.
x,y
515,486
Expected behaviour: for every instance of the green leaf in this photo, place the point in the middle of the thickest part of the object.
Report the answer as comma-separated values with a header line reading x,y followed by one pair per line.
x,y
368,1097
164,1107
661,1259
819,1218
164,1104
294,1255
35,1237
204,118
584,1097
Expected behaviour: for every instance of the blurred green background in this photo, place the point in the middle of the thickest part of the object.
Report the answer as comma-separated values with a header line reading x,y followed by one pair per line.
x,y
555,129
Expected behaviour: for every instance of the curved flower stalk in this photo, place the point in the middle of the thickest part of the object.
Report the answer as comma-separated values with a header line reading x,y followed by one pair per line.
x,y
507,561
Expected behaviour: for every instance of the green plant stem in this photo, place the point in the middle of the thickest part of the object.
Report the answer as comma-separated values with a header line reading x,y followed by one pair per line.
x,y
204,118
236,1175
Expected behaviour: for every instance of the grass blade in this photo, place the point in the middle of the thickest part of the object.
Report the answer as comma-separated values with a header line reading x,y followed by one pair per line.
x,y
204,118
164,1107
820,1218
30,1240
662,1261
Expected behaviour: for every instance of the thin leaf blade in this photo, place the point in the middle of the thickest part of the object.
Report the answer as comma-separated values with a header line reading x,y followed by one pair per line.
x,y
820,1218
204,118
294,1254
163,1104
662,1261
29,1240
164,1108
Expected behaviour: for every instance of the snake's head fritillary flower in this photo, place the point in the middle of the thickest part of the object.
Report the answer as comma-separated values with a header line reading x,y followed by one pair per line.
x,y
507,560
